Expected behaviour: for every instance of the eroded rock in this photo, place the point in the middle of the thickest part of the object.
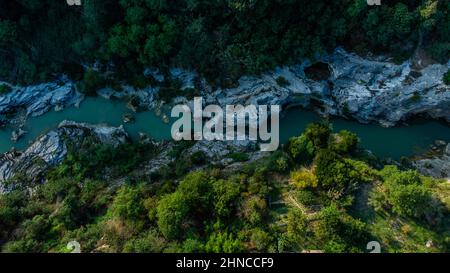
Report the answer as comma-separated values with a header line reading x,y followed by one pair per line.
x,y
51,148
437,166
39,99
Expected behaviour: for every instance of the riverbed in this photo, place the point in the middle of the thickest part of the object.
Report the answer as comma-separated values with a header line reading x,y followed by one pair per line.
x,y
394,142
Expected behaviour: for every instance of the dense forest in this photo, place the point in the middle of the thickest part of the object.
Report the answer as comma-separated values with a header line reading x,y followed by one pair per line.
x,y
319,192
222,39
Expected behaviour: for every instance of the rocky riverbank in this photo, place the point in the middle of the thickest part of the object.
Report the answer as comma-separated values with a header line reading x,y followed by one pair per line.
x,y
343,84
370,90
32,101
340,84
437,165
51,148
212,152
38,99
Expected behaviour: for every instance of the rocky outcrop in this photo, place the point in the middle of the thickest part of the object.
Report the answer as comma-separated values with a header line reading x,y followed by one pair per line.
x,y
214,152
437,166
144,98
36,100
366,89
17,134
383,92
369,90
51,148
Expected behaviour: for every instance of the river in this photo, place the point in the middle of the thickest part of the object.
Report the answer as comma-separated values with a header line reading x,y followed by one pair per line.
x,y
406,140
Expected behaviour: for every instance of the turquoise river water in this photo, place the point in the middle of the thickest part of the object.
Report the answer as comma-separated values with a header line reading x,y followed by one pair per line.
x,y
406,140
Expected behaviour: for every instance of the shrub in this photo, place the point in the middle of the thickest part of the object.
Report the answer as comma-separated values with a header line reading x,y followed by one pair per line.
x,y
304,178
172,211
409,200
301,149
405,192
333,172
446,78
260,239
307,197
319,134
340,232
296,234
198,158
282,81
282,164
223,243
345,142
150,242
226,193
128,204
92,81
4,89
193,197
254,209
238,157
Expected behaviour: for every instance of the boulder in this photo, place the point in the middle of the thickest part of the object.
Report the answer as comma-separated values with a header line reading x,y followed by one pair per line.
x,y
17,134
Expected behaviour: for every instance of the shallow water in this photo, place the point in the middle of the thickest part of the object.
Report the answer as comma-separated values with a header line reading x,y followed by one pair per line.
x,y
384,142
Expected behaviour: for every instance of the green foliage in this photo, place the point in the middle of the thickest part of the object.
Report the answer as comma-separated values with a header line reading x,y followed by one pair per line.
x,y
170,90
335,173
260,239
409,200
223,243
301,149
253,209
406,193
238,157
345,142
304,178
101,198
91,82
128,204
388,28
341,232
149,242
281,81
319,134
11,212
192,196
85,161
4,89
198,158
221,39
446,78
172,212
226,193
297,232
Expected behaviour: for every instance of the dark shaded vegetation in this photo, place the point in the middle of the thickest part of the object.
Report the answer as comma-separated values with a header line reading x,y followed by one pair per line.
x,y
447,78
319,71
4,89
221,39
